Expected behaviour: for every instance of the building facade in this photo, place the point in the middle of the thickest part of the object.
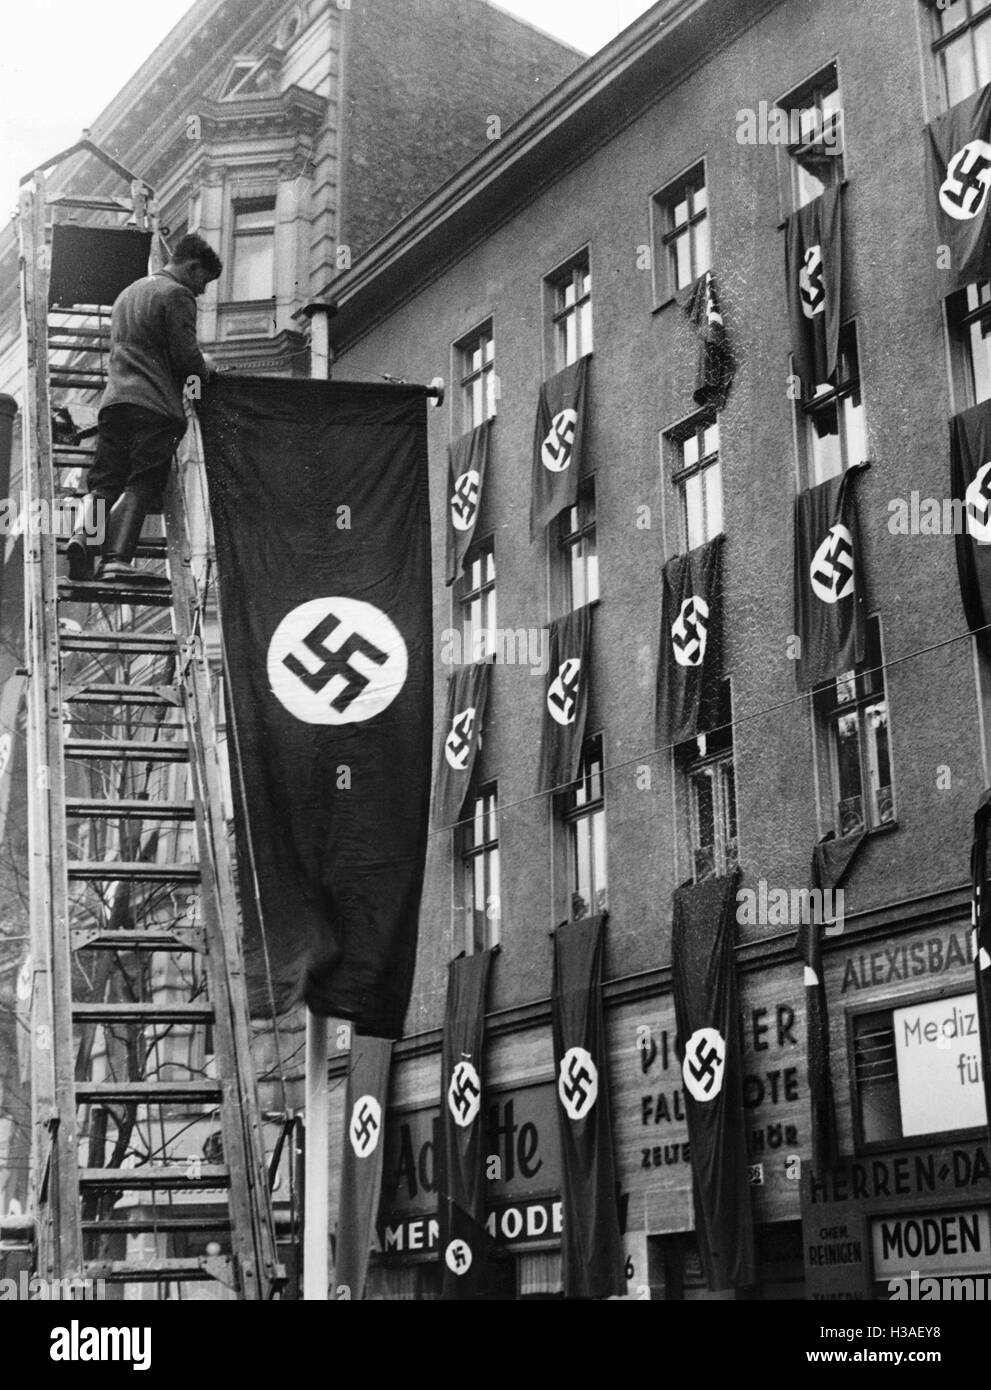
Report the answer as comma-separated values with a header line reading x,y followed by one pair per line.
x,y
681,148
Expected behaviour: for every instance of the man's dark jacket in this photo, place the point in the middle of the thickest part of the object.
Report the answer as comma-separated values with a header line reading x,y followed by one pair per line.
x,y
153,346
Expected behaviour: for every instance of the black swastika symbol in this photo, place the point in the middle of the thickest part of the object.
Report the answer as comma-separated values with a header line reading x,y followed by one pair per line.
x,y
465,498
365,1130
336,663
577,1086
967,187
811,284
835,566
979,501
563,691
463,1090
704,1066
689,632
458,1256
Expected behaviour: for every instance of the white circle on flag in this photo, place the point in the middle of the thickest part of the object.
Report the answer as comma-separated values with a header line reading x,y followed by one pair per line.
x,y
336,661
457,1257
562,694
831,570
978,505
464,1094
464,503
964,191
555,452
365,1126
457,745
704,1064
689,633
577,1082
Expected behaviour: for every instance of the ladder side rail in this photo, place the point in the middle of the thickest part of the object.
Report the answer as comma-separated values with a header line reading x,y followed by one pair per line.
x,y
249,1191
62,1253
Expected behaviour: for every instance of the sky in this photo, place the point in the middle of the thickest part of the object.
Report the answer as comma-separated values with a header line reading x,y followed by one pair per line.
x,y
62,61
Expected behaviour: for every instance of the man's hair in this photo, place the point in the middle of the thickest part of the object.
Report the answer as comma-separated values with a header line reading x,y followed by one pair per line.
x,y
193,248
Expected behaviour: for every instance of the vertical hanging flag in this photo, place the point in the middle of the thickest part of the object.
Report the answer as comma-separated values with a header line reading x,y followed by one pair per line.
x,y
318,492
361,1161
959,157
705,1001
716,363
467,460
830,861
970,486
565,698
980,910
463,1237
829,580
467,696
591,1244
814,279
690,653
557,445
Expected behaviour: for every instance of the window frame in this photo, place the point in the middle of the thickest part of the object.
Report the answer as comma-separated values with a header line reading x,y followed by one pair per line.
x,y
468,376
937,1138
712,753
265,202
569,274
940,42
590,813
809,95
468,854
870,690
834,397
467,592
665,233
568,537
697,426
960,321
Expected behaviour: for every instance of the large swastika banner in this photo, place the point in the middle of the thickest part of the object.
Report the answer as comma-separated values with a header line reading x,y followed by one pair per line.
x,y
318,492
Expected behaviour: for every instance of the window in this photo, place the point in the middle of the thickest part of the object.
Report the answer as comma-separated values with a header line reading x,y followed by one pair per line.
x,y
698,478
916,1068
709,770
584,813
681,233
853,711
815,149
480,869
476,366
253,259
477,601
578,558
963,46
571,311
835,429
969,317
251,77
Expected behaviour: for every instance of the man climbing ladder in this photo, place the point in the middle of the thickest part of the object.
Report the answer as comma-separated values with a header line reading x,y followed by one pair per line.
x,y
153,354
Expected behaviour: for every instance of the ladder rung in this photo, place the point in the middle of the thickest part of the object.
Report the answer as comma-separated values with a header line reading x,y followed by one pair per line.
x,y
161,1221
113,870
149,1175
78,381
128,750
97,809
175,1270
109,694
151,591
151,1092
141,1012
150,546
176,939
118,642
75,451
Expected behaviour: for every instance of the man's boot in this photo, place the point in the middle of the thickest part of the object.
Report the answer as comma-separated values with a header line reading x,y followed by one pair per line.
x,y
84,542
123,533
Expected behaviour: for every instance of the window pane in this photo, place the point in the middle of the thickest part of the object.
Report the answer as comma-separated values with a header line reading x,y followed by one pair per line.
x,y
705,817
853,424
570,340
806,185
979,343
490,395
679,212
579,597
700,199
712,479
254,264
693,511
951,13
982,50
599,859
848,765
729,801
581,896
493,910
876,718
591,574
958,65
710,439
683,261
585,333
690,450
254,218
824,441
703,256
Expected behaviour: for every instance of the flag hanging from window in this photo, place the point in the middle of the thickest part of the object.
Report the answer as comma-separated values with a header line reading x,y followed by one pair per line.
x,y
361,1162
464,1240
467,697
690,653
557,445
565,698
716,363
959,157
970,486
828,580
705,1000
831,859
591,1242
318,492
980,870
814,280
467,460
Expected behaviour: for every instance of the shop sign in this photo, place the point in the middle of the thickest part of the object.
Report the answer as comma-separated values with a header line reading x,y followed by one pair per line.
x,y
938,1051
946,1242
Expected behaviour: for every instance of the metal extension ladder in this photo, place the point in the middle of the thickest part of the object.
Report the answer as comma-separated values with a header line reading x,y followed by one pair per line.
x,y
148,1168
